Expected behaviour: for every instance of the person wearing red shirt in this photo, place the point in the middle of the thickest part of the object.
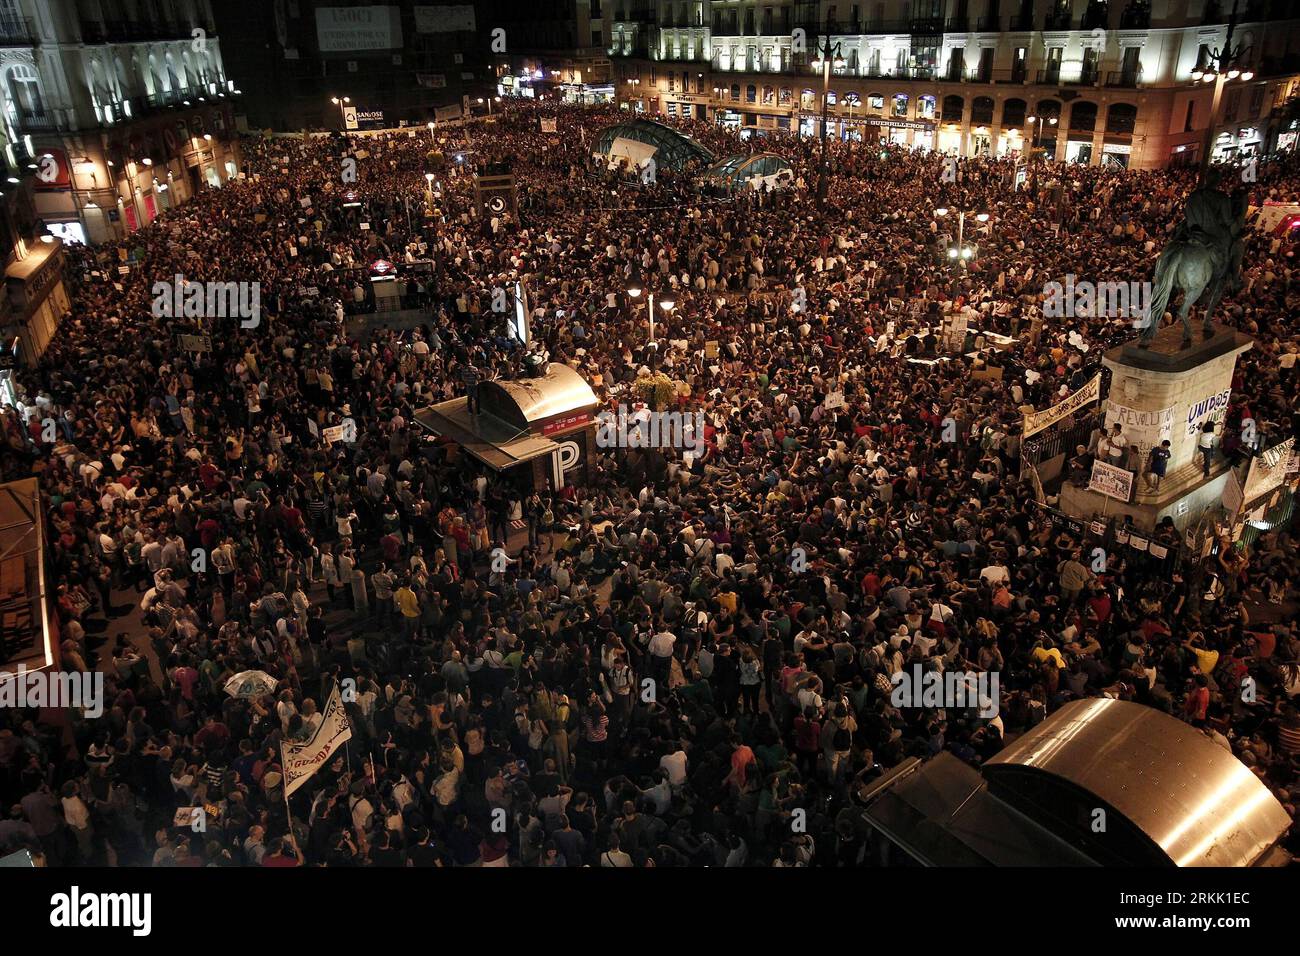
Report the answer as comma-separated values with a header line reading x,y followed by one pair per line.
x,y
807,741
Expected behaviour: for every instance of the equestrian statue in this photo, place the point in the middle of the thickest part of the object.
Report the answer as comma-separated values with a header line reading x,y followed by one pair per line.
x,y
1204,253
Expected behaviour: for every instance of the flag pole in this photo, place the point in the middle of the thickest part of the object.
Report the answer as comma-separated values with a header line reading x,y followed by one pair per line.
x,y
288,813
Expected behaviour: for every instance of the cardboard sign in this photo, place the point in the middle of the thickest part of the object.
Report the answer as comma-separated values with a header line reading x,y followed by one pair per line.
x,y
195,343
1110,481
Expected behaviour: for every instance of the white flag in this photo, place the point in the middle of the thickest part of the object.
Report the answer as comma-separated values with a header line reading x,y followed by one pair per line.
x,y
301,760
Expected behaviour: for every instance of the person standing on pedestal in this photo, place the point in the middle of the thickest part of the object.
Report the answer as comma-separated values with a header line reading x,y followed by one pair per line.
x,y
1117,446
1157,462
1206,446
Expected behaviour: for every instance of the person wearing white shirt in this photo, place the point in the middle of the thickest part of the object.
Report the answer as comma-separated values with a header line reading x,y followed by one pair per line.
x,y
995,574
675,764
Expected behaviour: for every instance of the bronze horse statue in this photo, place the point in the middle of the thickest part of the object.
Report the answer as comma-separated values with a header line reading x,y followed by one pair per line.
x,y
1205,253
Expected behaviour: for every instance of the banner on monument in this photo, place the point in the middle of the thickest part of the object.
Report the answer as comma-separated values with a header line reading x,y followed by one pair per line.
x,y
1268,470
1110,481
1232,496
301,760
1035,422
1143,427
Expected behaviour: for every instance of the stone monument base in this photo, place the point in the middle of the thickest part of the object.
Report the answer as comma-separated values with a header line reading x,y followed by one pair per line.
x,y
1183,496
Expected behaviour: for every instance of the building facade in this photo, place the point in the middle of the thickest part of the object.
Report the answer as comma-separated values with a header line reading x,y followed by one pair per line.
x,y
552,49
1086,81
385,64
124,103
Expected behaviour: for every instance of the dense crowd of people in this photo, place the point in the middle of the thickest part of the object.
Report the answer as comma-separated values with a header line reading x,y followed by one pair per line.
x,y
683,654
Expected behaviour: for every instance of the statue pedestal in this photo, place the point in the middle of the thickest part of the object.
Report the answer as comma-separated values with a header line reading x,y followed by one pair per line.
x,y
1166,392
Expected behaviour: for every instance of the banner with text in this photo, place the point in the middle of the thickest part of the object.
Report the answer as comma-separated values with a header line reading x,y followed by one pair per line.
x,y
1113,482
454,19
301,760
352,29
1035,422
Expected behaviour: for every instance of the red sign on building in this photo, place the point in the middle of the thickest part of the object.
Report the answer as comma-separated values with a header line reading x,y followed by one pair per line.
x,y
53,171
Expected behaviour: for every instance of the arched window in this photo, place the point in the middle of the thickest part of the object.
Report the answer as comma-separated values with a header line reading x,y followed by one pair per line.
x,y
1047,109
981,110
769,95
786,95
952,109
1014,111
24,89
735,92
900,102
1083,116
1121,118
751,93
925,106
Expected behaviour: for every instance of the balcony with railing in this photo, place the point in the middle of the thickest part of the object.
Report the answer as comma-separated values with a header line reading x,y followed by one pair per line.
x,y
17,31
1048,77
1058,21
34,121
1122,78
1087,77
1135,17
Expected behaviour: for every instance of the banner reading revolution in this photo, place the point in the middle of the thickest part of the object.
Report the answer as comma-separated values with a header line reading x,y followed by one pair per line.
x,y
1035,422
301,760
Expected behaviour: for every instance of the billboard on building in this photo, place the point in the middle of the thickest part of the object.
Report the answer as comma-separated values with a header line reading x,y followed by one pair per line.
x,y
353,29
451,19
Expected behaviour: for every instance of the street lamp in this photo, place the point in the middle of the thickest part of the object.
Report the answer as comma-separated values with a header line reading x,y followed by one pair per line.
x,y
666,304
1224,65
961,250
341,103
828,54
1036,123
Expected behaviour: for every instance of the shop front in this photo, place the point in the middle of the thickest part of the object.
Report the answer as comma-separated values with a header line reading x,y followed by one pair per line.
x,y
1079,151
914,134
1116,154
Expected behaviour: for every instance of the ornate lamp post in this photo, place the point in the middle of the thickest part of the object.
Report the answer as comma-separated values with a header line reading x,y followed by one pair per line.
x,y
828,54
1224,66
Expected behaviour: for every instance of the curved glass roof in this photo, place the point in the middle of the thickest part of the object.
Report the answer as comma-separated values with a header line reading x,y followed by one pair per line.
x,y
673,150
737,169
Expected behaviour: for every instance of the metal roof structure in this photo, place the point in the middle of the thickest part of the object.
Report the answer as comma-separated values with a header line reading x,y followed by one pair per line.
x,y
1162,782
670,149
735,171
515,417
